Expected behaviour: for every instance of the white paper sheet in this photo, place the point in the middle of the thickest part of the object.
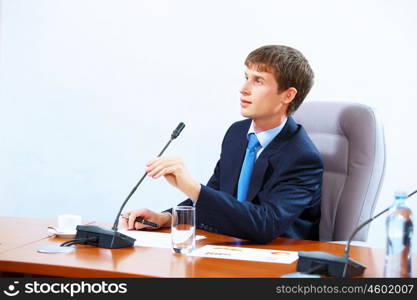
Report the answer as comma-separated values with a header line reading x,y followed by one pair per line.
x,y
263,255
152,239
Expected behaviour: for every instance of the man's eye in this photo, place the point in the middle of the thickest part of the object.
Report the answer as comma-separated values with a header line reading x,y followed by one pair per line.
x,y
258,81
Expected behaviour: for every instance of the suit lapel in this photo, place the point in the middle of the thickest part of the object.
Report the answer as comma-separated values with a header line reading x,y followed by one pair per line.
x,y
261,164
257,176
233,161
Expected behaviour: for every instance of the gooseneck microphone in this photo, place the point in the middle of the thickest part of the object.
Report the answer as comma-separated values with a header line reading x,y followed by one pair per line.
x,y
314,262
104,238
347,247
174,135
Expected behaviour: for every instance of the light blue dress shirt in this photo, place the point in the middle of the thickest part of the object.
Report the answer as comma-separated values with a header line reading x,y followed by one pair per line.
x,y
265,137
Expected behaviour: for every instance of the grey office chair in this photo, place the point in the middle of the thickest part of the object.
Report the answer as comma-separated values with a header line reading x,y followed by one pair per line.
x,y
350,139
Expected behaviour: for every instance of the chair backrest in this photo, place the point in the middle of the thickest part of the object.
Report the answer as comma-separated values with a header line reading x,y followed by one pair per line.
x,y
350,138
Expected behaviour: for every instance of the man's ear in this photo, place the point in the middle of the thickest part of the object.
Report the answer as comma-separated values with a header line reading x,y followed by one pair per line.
x,y
289,95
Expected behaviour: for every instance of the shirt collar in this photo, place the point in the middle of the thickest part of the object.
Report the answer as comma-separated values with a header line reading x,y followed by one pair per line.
x,y
265,137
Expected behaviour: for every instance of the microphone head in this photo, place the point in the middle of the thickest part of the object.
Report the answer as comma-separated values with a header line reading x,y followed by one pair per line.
x,y
177,130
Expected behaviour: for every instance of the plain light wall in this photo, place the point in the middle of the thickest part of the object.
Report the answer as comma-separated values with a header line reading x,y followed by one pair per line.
x,y
92,89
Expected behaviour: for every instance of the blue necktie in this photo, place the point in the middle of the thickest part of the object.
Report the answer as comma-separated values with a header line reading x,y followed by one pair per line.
x,y
247,167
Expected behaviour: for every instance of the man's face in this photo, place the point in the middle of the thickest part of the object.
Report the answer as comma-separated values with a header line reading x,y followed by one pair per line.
x,y
260,99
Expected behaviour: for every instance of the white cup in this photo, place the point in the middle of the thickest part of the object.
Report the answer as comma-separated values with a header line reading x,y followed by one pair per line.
x,y
68,223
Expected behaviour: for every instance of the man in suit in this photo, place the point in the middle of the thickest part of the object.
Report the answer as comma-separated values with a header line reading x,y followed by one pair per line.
x,y
267,182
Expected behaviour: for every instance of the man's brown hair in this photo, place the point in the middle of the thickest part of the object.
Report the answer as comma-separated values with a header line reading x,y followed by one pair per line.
x,y
290,68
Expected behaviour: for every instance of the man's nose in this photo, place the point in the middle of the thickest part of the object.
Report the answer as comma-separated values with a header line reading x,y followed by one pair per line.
x,y
244,90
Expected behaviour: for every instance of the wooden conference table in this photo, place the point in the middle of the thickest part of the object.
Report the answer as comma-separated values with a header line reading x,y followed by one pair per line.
x,y
21,237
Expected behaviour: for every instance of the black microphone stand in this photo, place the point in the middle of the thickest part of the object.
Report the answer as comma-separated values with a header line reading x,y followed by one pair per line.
x,y
347,247
116,221
315,262
100,237
174,135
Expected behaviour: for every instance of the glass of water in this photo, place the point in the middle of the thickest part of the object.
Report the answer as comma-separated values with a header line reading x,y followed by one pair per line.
x,y
183,229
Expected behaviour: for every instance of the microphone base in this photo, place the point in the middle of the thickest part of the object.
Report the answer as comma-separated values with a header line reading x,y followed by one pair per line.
x,y
327,264
104,238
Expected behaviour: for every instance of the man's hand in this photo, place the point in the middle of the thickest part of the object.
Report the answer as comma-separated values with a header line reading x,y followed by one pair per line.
x,y
162,219
175,172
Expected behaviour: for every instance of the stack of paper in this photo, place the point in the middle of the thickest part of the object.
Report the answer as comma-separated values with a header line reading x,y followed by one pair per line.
x,y
152,239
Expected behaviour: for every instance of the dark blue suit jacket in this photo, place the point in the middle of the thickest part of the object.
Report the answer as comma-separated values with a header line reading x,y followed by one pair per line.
x,y
284,194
